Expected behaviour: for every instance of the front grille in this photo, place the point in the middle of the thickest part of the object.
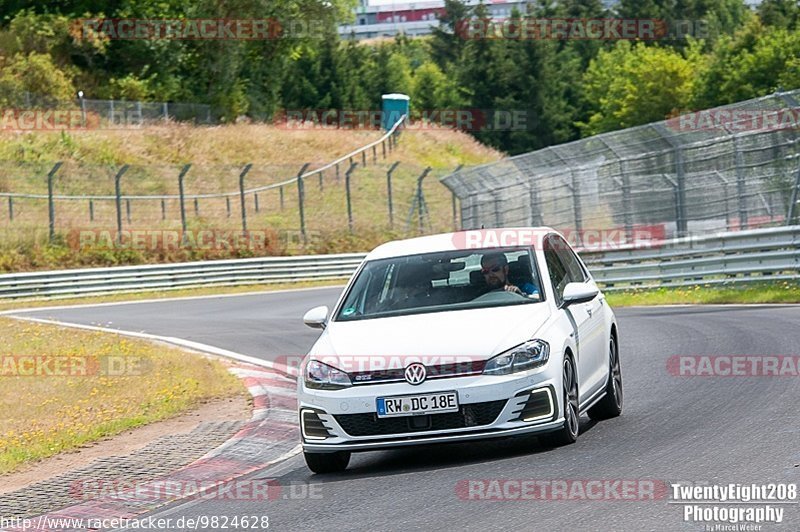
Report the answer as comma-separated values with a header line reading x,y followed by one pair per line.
x,y
454,369
472,415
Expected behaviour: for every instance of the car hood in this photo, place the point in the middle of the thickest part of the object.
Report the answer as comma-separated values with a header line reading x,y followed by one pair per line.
x,y
475,333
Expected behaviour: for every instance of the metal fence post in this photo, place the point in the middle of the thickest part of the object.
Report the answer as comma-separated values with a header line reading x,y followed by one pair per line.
x,y
674,193
301,201
533,197
196,207
163,209
347,194
498,210
128,210
364,158
627,207
183,173
227,206
242,175
91,210
793,201
422,208
118,200
383,148
624,184
389,192
725,187
682,222
11,208
280,190
576,207
453,200
374,154
255,201
455,211
741,185
51,207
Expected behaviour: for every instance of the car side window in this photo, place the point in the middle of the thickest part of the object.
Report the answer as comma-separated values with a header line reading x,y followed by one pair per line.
x,y
558,273
571,263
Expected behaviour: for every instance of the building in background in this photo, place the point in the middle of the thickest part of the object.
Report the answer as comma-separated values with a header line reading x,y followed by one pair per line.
x,y
412,18
387,18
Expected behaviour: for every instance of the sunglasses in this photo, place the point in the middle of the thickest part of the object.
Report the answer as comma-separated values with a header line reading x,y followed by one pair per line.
x,y
493,269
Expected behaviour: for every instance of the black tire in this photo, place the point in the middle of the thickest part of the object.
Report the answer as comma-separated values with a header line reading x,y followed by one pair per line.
x,y
322,463
610,405
568,433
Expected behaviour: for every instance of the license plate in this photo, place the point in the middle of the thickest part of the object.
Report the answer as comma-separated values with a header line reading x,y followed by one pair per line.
x,y
409,405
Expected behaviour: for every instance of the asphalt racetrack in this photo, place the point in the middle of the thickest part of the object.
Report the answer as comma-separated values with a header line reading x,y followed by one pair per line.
x,y
675,429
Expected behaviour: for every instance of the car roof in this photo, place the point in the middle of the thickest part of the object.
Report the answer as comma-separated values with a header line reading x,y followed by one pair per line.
x,y
467,239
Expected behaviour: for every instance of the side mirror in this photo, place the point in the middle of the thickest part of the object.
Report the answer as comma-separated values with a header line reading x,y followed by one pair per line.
x,y
316,317
579,293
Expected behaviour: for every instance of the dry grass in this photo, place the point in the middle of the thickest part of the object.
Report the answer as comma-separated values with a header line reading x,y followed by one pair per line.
x,y
217,155
47,414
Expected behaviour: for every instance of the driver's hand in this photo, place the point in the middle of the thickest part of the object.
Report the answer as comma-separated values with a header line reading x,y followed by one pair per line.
x,y
513,288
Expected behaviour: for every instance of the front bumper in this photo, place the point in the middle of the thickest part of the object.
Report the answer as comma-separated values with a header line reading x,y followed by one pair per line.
x,y
503,406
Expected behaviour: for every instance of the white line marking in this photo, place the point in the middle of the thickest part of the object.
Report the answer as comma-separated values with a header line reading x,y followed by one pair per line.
x,y
186,344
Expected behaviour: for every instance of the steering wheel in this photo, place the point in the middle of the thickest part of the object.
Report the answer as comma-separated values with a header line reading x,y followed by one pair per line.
x,y
495,296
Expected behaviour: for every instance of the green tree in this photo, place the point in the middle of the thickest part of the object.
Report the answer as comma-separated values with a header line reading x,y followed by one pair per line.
x,y
779,13
635,84
448,39
755,62
33,73
428,79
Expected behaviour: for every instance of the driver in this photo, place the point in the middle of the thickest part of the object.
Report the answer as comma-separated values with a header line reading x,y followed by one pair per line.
x,y
494,267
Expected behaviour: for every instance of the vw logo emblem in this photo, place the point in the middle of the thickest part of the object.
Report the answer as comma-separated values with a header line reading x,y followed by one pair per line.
x,y
415,373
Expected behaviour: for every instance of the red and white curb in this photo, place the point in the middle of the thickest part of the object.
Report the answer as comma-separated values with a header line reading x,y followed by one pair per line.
x,y
269,437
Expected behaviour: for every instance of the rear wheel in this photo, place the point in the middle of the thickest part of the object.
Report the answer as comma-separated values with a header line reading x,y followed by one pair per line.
x,y
610,405
568,433
327,462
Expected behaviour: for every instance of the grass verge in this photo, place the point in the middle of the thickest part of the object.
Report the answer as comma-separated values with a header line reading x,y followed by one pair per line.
x,y
777,292
87,386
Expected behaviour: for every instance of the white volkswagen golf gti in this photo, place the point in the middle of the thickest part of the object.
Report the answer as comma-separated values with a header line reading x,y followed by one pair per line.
x,y
457,337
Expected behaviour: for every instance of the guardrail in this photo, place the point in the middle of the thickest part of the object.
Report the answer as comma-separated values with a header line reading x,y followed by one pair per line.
x,y
735,257
127,279
739,257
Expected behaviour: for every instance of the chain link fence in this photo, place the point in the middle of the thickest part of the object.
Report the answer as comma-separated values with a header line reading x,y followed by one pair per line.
x,y
365,191
730,168
117,113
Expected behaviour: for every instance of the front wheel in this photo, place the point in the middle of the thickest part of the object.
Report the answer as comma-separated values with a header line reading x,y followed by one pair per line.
x,y
610,405
568,433
322,463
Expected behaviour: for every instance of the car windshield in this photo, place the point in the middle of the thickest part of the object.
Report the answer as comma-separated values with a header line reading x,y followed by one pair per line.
x,y
449,280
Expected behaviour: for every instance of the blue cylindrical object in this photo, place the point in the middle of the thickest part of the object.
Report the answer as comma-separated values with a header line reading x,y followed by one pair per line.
x,y
394,107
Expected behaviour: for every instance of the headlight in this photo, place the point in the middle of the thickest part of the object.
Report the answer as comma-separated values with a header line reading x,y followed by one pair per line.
x,y
522,358
324,377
